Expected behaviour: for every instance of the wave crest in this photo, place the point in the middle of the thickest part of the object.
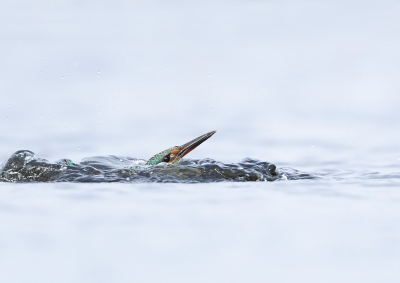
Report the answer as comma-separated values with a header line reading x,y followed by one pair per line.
x,y
24,166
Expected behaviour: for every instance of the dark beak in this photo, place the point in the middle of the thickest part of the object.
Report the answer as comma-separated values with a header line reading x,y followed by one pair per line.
x,y
189,146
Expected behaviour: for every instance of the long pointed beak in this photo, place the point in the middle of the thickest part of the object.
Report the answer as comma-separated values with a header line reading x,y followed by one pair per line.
x,y
189,146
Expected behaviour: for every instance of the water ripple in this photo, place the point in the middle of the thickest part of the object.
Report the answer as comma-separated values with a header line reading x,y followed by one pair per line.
x,y
24,166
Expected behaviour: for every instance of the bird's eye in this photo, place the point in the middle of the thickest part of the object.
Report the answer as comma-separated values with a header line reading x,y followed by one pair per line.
x,y
166,158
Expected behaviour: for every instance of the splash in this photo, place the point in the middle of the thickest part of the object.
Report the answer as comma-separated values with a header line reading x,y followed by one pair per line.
x,y
24,166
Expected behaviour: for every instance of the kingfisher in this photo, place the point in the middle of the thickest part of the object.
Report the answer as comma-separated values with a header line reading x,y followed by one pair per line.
x,y
175,154
171,155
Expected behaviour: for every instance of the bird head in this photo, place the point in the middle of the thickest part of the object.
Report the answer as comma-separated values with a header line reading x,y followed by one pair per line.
x,y
175,154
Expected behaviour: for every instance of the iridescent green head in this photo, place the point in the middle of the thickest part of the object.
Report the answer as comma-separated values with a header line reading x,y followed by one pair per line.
x,y
175,154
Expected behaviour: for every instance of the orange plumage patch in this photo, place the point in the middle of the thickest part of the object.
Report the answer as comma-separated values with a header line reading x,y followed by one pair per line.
x,y
175,151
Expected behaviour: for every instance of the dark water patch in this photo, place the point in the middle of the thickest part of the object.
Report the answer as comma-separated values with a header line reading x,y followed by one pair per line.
x,y
24,166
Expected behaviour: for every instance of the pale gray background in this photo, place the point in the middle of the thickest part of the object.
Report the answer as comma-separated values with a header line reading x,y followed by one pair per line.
x,y
312,85
279,80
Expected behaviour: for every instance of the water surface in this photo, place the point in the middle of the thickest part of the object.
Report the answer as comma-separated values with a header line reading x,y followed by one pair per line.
x,y
300,184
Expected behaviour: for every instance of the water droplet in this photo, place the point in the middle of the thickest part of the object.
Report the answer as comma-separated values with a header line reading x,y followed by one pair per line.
x,y
212,108
312,146
79,148
98,73
209,75
62,77
41,116
120,160
7,118
398,158
127,179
